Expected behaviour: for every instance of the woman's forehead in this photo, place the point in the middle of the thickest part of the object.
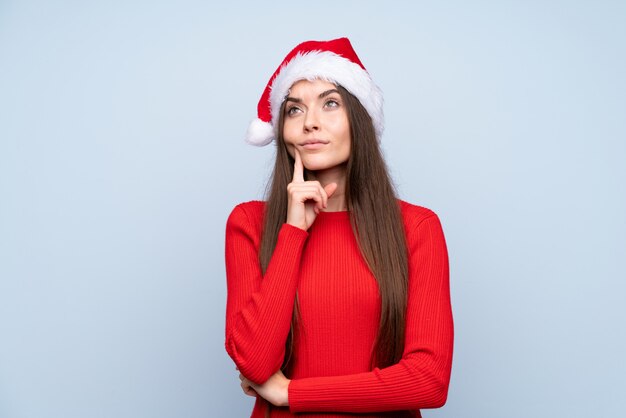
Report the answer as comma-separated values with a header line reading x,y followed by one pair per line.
x,y
310,86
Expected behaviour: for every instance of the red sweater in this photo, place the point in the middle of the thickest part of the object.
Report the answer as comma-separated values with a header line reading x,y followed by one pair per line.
x,y
340,310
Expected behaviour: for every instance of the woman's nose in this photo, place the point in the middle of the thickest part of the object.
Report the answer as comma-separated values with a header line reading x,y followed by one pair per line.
x,y
311,121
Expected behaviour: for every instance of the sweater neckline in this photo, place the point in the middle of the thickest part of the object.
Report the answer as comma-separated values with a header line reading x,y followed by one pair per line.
x,y
341,214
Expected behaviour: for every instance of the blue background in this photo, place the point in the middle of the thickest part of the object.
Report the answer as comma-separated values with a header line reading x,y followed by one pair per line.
x,y
122,154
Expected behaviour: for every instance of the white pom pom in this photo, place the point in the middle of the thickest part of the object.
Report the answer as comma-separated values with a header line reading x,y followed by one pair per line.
x,y
260,133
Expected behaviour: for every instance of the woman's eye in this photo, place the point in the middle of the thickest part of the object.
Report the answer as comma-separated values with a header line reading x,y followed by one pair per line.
x,y
332,103
292,111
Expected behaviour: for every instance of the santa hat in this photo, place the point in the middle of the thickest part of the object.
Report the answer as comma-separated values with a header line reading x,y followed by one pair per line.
x,y
334,61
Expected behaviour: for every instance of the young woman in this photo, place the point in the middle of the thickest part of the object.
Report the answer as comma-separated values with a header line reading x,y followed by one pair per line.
x,y
338,293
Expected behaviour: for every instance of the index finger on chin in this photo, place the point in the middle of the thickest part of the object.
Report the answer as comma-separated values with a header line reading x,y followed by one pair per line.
x,y
298,168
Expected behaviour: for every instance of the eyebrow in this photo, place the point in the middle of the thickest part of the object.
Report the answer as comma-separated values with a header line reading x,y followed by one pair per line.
x,y
327,92
321,96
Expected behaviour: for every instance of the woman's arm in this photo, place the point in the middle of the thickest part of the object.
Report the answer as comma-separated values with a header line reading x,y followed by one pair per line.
x,y
259,307
420,379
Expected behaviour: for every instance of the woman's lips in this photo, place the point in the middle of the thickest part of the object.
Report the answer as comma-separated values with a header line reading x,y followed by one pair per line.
x,y
313,144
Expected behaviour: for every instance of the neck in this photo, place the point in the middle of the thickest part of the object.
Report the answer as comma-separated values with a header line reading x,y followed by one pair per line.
x,y
336,202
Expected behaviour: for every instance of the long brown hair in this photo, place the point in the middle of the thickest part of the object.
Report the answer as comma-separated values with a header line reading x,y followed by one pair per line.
x,y
376,222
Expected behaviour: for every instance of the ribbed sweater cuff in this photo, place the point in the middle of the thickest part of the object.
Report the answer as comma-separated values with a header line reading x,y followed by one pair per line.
x,y
317,395
358,393
292,232
290,242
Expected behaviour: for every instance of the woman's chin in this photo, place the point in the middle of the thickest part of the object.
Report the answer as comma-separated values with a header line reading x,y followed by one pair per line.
x,y
320,167
317,165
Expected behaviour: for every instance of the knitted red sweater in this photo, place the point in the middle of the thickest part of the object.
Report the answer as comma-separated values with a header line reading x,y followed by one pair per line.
x,y
339,315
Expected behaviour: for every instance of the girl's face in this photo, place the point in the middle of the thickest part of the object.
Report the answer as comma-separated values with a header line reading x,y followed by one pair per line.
x,y
316,123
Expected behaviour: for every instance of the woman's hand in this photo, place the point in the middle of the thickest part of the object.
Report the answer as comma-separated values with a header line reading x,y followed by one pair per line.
x,y
245,386
306,198
275,390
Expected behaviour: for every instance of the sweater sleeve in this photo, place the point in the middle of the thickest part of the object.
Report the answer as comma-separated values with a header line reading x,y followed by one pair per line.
x,y
420,379
259,307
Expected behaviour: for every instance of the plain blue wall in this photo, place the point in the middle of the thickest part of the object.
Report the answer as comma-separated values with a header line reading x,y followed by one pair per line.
x,y
122,154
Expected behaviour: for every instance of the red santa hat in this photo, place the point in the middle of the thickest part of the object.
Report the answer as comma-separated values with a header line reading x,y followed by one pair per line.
x,y
334,61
